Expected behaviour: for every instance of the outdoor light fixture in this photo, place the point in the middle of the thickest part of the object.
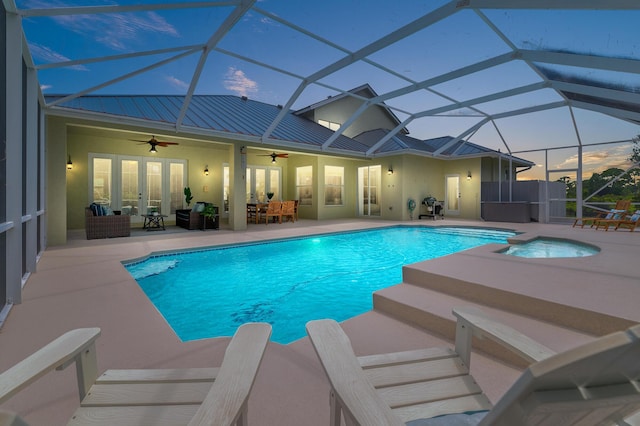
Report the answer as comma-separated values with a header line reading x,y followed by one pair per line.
x,y
69,164
390,171
206,170
469,175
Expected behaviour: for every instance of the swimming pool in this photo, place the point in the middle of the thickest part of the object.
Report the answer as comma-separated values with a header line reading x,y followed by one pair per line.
x,y
209,293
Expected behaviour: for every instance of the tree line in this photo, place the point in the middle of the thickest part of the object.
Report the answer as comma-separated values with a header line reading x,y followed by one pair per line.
x,y
611,186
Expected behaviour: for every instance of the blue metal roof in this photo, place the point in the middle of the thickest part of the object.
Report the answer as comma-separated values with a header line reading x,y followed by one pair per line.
x,y
242,116
223,113
400,142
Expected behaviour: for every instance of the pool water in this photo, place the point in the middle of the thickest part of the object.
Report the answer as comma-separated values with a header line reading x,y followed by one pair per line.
x,y
551,248
209,293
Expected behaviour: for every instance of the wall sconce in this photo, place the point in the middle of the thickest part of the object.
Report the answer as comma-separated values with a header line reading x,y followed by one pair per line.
x,y
206,170
390,171
69,164
469,175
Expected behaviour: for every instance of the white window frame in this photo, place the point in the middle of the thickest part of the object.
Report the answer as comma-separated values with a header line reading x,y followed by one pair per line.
x,y
329,186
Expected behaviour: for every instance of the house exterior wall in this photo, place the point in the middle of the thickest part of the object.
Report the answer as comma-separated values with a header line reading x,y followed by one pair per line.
x,y
340,110
414,177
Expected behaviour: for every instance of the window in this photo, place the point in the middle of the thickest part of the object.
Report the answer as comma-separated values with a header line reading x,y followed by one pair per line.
x,y
333,185
102,181
304,188
329,124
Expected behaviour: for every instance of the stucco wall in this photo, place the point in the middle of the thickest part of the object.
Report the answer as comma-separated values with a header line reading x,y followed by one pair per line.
x,y
80,141
413,177
339,111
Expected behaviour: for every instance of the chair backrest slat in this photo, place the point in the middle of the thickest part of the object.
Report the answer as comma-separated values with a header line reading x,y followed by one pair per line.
x,y
588,385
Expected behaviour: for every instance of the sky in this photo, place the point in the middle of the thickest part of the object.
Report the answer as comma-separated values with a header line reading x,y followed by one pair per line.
x,y
263,58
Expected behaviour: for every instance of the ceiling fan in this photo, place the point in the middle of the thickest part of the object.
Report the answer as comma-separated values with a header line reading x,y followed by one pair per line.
x,y
273,156
155,142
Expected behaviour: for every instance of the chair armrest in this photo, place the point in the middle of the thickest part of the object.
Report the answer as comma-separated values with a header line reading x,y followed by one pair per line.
x,y
74,346
472,322
351,391
226,402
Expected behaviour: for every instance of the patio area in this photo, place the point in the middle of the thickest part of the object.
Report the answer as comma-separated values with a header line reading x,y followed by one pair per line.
x,y
83,284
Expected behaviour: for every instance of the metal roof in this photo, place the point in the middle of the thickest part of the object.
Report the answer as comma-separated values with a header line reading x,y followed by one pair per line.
x,y
458,149
234,115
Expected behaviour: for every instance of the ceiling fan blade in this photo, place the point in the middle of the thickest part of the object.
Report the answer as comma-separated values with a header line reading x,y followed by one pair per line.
x,y
165,144
282,155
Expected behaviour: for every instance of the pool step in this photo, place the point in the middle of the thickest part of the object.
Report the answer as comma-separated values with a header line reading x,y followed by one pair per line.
x,y
530,290
432,310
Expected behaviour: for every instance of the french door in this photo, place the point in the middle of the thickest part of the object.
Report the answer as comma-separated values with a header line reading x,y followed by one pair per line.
x,y
133,185
369,181
452,195
262,180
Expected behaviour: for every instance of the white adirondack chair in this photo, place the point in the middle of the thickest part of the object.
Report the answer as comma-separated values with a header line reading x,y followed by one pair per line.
x,y
594,384
194,396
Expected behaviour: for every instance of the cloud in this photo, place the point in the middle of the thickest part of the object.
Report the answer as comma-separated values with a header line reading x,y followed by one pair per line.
x,y
236,81
176,82
45,54
44,87
599,161
114,30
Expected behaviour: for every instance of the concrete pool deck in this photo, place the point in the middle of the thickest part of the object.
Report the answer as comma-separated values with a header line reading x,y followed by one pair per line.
x,y
83,284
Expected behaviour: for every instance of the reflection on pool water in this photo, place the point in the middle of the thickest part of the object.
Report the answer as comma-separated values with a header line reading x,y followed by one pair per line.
x,y
210,292
551,248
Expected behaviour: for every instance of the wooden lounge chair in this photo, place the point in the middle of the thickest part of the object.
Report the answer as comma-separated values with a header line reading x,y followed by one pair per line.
x,y
629,222
211,396
621,207
274,209
595,384
288,211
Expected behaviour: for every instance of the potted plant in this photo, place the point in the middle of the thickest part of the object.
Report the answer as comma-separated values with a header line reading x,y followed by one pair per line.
x,y
187,195
210,212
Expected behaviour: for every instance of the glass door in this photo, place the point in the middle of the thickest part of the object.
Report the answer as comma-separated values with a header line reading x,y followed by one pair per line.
x,y
452,195
152,188
130,186
260,181
369,181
